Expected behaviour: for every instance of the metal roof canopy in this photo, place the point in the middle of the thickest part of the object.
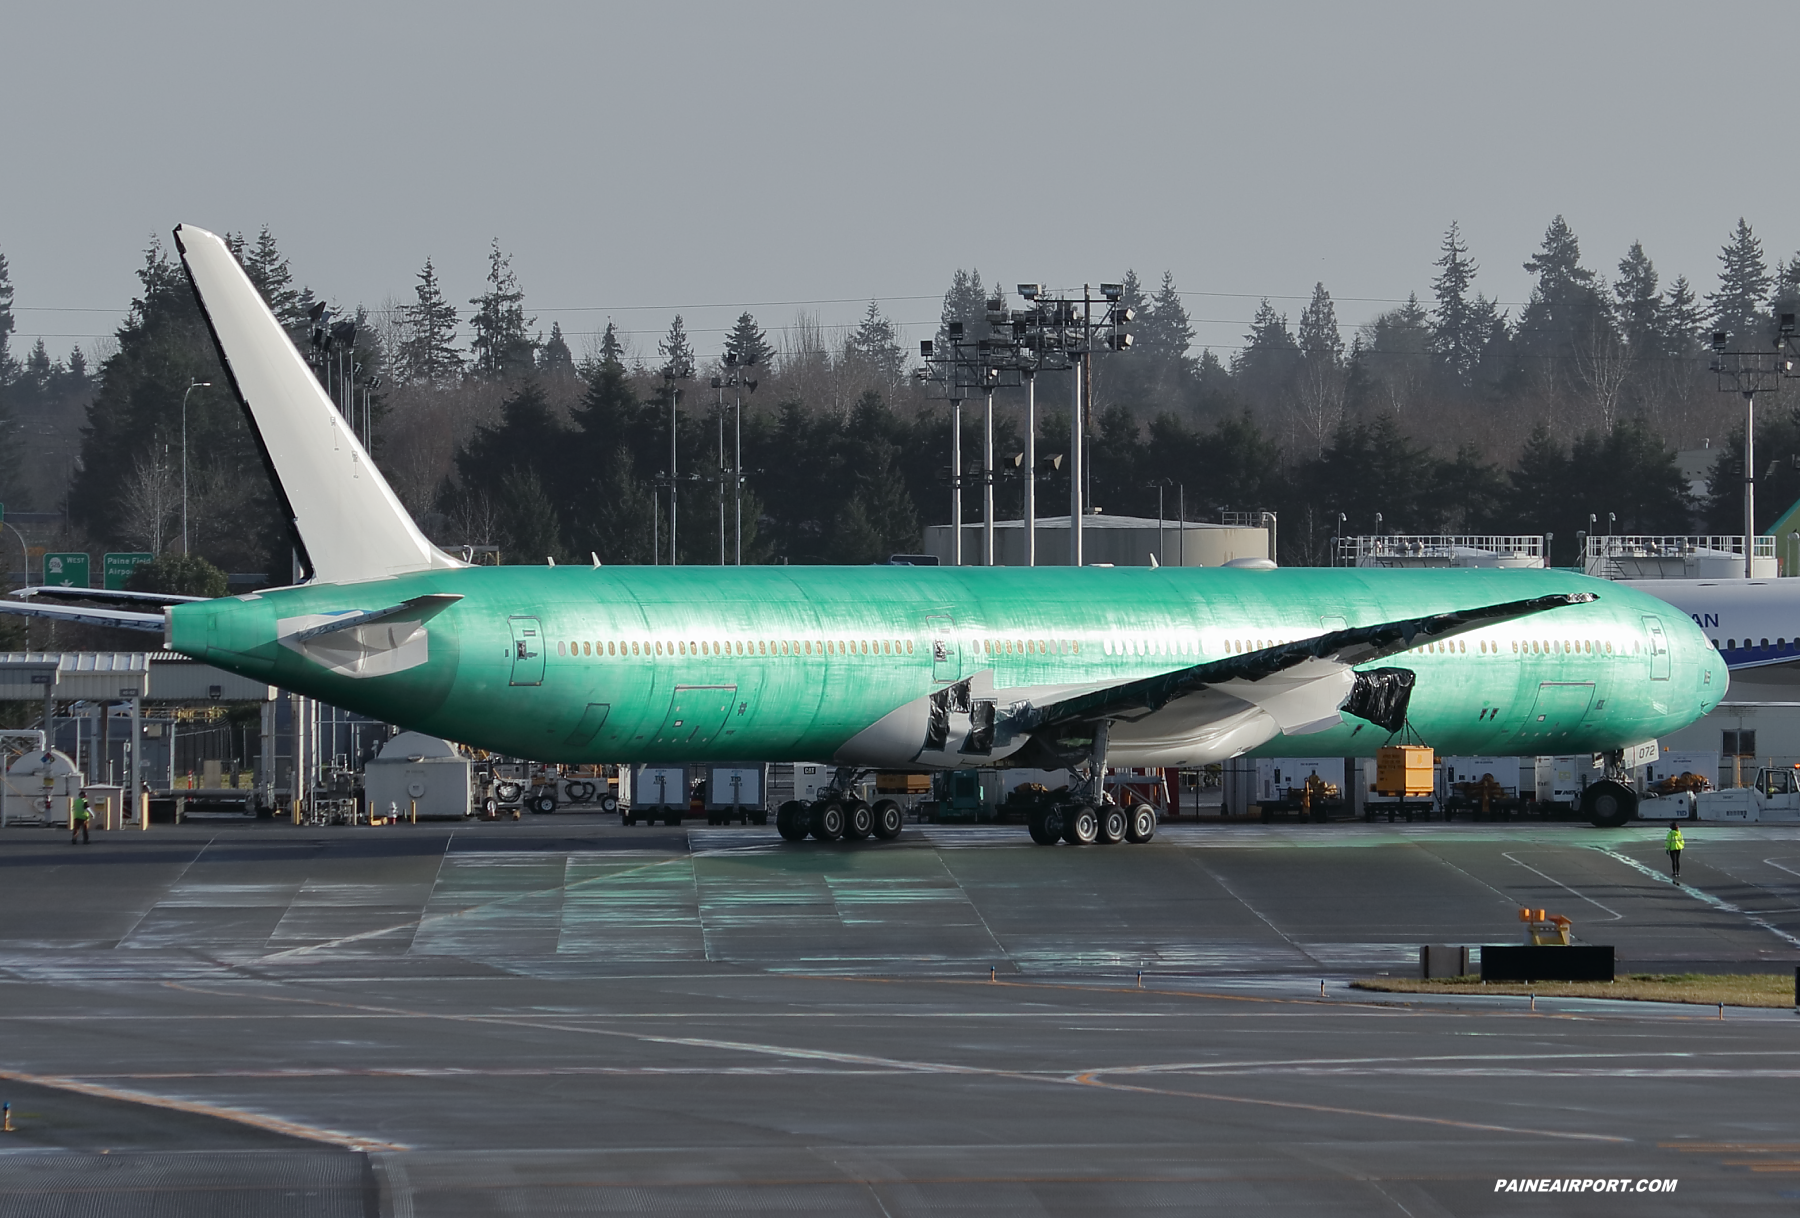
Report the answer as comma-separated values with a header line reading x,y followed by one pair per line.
x,y
112,675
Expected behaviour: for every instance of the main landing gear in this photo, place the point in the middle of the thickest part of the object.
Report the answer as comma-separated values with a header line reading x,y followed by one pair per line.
x,y
837,814
835,817
1086,814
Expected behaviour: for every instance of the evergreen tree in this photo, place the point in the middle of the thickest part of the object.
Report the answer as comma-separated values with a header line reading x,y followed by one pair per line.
x,y
1321,381
7,368
554,357
1395,362
1683,318
677,353
1265,369
1318,336
1457,334
269,271
612,351
1566,315
966,302
179,575
1744,282
1163,331
749,344
502,342
1639,302
428,353
875,346
11,447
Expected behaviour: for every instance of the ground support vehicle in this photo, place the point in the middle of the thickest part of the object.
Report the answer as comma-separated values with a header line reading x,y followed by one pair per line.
x,y
658,792
736,791
1774,798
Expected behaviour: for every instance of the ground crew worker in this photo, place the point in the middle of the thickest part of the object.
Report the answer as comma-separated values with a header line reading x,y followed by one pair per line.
x,y
1673,844
83,814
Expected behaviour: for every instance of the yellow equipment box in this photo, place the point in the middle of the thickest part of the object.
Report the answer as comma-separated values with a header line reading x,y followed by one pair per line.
x,y
1405,770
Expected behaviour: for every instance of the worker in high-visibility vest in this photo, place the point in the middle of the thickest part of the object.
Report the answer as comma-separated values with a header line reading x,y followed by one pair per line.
x,y
1673,844
82,815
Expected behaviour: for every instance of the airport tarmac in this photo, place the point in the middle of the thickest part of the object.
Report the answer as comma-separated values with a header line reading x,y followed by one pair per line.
x,y
563,1015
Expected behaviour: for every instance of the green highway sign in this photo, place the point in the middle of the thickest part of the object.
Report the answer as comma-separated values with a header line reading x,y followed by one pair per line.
x,y
66,570
117,568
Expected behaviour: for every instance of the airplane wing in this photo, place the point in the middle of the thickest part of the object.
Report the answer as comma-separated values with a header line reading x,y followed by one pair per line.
x,y
1312,659
1190,715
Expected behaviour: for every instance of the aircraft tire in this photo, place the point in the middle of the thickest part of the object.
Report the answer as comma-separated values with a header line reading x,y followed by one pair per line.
x,y
859,820
1047,826
1082,826
888,820
791,820
1113,824
1141,826
827,820
1608,804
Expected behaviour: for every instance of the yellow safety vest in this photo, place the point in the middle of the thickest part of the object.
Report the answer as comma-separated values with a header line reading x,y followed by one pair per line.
x,y
81,809
1674,841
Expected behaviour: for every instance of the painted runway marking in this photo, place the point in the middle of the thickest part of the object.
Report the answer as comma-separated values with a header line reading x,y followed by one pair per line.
x,y
294,1129
1718,903
1617,916
1088,1078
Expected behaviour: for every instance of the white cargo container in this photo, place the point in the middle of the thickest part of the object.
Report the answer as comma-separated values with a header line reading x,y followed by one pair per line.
x,y
1561,780
1507,771
414,767
39,788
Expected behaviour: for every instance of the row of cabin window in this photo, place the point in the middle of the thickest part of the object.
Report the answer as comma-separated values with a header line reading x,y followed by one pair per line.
x,y
1042,647
1763,645
1527,647
756,647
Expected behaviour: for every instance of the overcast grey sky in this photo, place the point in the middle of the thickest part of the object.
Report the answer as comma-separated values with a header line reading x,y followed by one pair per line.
x,y
753,155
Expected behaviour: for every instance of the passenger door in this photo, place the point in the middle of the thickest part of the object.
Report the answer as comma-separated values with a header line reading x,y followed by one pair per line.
x,y
946,658
1659,649
528,651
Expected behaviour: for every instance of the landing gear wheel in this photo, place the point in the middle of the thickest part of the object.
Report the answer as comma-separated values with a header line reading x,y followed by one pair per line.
x,y
1047,826
1608,804
1112,824
1083,826
828,820
1141,825
859,820
791,820
888,819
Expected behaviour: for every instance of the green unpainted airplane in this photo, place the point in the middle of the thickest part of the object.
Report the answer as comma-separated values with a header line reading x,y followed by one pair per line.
x,y
903,667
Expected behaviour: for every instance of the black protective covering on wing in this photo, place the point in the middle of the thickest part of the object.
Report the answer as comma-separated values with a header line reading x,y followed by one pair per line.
x,y
1356,645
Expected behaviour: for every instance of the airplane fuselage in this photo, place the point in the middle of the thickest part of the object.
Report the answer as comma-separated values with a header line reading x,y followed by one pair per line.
x,y
620,664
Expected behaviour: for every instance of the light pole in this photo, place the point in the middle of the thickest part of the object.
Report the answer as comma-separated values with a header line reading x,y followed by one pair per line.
x,y
184,462
739,380
1161,485
1749,373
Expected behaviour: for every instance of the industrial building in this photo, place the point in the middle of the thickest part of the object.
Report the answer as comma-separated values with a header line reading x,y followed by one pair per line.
x,y
1110,541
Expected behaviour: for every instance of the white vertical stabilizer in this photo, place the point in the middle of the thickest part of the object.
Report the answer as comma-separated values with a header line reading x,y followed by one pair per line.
x,y
347,516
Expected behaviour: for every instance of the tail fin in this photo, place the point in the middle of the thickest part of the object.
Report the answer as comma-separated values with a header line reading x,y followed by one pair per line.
x,y
345,515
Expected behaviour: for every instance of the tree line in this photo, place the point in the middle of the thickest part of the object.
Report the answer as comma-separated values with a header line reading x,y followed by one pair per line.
x,y
1442,414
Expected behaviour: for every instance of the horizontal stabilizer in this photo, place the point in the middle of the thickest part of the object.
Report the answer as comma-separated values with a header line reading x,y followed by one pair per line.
x,y
106,594
345,516
122,619
419,608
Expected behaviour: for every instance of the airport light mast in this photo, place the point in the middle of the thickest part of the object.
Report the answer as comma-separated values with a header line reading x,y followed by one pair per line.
x,y
1749,373
737,379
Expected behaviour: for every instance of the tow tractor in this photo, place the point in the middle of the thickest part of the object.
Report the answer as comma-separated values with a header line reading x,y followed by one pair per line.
x,y
1773,797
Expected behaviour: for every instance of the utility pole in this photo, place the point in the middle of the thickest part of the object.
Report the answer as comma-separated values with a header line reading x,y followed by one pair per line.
x,y
184,464
1029,371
